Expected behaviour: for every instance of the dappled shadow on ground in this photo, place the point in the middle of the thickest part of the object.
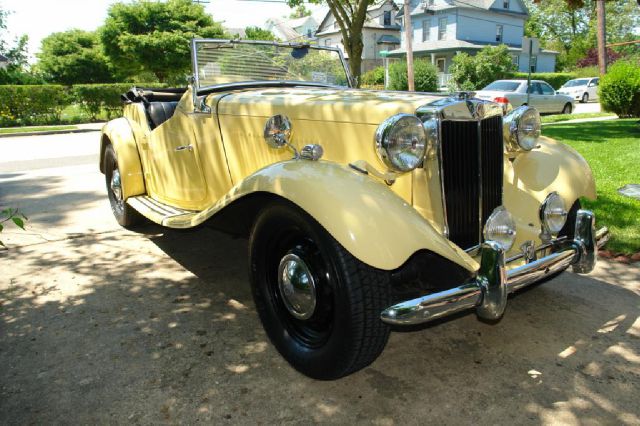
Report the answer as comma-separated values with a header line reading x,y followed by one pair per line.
x,y
160,327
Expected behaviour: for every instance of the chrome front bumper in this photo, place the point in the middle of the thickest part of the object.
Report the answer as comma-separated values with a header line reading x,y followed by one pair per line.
x,y
488,291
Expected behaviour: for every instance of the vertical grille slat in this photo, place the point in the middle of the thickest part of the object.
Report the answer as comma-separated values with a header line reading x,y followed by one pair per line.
x,y
463,143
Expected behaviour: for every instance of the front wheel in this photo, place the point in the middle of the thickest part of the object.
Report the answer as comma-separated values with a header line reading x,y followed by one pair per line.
x,y
567,109
318,304
585,98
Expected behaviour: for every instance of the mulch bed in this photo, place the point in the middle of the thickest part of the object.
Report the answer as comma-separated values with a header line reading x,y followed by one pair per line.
x,y
619,257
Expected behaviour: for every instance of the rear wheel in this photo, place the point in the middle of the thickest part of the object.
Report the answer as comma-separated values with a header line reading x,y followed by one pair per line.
x,y
567,109
124,214
318,304
585,98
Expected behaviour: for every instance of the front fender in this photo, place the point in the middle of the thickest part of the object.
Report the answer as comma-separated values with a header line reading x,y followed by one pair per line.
x,y
118,132
373,223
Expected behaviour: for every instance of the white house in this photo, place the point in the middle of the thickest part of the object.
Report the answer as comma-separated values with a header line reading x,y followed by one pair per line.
x,y
292,30
443,28
380,32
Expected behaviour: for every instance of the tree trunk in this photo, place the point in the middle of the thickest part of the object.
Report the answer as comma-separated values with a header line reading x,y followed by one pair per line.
x,y
408,27
354,49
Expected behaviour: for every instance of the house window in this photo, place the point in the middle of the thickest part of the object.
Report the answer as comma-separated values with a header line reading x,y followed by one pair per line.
x,y
442,28
327,42
499,29
426,27
516,60
505,4
387,18
309,33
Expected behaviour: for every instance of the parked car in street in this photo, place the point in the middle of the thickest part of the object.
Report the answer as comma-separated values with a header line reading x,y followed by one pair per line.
x,y
363,209
581,89
514,92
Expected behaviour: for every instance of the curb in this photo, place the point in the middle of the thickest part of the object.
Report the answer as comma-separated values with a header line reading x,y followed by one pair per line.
x,y
47,132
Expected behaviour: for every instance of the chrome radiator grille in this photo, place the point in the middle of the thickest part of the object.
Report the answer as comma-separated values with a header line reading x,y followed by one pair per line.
x,y
472,173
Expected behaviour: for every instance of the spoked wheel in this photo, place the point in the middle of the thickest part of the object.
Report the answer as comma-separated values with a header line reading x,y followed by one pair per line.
x,y
318,304
124,214
585,98
567,109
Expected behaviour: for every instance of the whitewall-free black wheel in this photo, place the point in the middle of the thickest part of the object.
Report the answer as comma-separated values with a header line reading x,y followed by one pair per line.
x,y
124,214
318,304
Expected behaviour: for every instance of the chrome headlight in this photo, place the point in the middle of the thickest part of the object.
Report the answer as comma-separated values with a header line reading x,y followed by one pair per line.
x,y
553,214
522,128
401,142
501,228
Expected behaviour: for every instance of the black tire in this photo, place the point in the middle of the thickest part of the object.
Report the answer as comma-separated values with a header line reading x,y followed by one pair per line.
x,y
585,98
344,332
126,215
567,109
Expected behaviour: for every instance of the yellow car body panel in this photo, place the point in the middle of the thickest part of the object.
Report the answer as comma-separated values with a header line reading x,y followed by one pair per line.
x,y
380,224
119,134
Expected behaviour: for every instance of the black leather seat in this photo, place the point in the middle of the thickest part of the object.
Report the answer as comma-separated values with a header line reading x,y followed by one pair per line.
x,y
159,112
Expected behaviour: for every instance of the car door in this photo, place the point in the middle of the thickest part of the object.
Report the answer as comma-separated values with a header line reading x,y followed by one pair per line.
x,y
552,103
176,171
536,98
593,88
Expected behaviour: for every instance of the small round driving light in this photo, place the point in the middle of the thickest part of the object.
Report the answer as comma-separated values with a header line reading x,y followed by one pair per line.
x,y
522,128
501,228
553,213
401,142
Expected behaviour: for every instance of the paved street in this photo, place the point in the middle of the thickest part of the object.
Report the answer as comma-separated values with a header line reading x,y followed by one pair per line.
x,y
103,325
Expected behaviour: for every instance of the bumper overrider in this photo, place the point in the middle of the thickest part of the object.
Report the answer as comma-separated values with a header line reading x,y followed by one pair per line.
x,y
488,291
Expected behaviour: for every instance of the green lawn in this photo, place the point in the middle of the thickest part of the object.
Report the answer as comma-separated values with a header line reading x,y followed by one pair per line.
x,y
35,129
612,148
564,117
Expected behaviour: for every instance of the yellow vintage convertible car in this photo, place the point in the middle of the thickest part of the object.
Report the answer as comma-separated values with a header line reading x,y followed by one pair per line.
x,y
364,209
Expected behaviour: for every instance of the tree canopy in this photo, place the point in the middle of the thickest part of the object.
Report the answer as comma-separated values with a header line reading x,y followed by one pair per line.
x,y
17,71
145,36
73,57
475,72
257,33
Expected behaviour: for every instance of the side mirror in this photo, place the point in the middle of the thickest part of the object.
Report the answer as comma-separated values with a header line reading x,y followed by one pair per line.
x,y
277,131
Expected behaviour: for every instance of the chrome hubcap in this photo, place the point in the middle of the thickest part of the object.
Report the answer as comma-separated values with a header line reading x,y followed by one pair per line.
x,y
297,287
116,185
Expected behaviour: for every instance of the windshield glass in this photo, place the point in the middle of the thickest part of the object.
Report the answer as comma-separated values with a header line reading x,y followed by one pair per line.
x,y
579,82
222,62
503,86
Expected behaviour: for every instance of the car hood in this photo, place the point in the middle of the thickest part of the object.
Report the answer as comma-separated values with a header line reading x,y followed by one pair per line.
x,y
323,104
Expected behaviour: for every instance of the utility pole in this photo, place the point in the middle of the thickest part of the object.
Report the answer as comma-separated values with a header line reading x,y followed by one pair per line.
x,y
602,44
408,44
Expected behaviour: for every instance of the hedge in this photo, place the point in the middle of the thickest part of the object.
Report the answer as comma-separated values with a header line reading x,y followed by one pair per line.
x,y
555,79
43,104
425,76
619,89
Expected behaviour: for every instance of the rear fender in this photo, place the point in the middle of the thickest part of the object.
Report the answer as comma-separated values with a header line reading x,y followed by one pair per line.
x,y
120,135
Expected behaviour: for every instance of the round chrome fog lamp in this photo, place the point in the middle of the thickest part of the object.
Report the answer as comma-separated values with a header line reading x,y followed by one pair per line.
x,y
522,128
553,213
401,142
501,228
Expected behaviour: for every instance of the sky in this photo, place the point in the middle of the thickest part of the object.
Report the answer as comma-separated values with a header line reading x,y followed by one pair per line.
x,y
39,18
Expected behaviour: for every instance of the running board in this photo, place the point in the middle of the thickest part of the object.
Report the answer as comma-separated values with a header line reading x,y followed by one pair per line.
x,y
162,214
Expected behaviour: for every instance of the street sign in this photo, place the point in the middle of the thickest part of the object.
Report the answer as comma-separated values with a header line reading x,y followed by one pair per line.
x,y
535,45
383,53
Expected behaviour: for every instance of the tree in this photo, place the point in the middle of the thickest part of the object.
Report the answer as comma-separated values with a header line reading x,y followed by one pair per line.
x,y
257,33
300,12
73,57
474,72
146,36
17,71
569,26
350,16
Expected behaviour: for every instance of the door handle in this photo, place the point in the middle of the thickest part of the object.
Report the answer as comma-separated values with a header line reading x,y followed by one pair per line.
x,y
184,148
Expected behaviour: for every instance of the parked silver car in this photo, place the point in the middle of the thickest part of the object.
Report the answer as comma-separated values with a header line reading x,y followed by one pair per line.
x,y
582,89
543,97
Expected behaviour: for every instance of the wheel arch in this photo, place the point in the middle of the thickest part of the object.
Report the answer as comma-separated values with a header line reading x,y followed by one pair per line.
x,y
365,216
119,134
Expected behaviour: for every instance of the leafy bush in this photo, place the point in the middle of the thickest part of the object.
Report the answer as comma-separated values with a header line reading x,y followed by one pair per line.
x,y
620,89
374,77
25,105
475,72
97,98
555,79
425,76
586,72
591,58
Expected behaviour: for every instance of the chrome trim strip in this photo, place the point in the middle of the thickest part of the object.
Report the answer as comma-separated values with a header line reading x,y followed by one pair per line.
x,y
479,130
488,291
